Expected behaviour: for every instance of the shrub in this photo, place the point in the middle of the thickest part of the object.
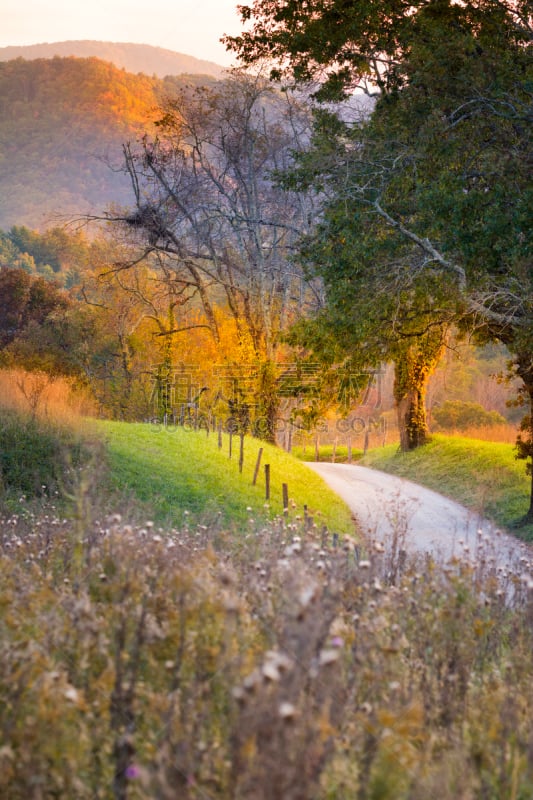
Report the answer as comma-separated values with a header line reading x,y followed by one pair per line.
x,y
458,415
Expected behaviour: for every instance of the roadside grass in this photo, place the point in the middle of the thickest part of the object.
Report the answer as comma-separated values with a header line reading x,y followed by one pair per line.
x,y
483,476
175,470
326,453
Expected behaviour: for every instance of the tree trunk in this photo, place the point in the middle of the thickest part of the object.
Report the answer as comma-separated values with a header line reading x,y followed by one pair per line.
x,y
524,442
412,423
268,402
413,367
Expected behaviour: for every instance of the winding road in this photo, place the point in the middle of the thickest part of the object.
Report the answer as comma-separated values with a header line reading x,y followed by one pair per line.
x,y
427,521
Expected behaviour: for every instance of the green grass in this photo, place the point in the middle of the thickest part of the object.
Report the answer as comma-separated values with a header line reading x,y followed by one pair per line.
x,y
35,456
325,453
175,470
483,476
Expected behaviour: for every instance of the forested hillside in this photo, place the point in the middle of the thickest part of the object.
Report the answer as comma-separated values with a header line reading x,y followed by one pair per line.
x,y
132,57
63,122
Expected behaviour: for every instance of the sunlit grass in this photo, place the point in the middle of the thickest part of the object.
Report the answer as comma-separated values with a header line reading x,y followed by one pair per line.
x,y
487,433
44,396
177,470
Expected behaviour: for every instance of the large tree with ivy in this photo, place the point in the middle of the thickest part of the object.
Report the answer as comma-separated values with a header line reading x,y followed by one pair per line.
x,y
434,187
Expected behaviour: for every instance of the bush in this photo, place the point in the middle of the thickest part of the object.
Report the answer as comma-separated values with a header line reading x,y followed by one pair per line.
x,y
456,415
35,457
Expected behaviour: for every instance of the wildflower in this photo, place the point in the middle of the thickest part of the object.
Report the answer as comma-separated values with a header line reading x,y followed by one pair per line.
x,y
270,671
238,694
251,681
71,694
132,772
327,657
287,711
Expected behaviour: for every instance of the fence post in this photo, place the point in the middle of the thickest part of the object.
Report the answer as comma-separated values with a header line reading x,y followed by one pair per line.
x,y
289,439
241,452
220,435
285,490
257,465
267,481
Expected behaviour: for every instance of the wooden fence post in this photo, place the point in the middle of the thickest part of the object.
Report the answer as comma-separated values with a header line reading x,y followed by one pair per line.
x,y
267,481
285,490
241,452
257,465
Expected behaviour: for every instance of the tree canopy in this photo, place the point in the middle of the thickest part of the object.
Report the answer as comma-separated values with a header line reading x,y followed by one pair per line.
x,y
429,199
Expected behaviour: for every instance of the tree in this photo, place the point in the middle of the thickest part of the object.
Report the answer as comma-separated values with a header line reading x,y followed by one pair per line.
x,y
342,46
206,203
42,328
443,165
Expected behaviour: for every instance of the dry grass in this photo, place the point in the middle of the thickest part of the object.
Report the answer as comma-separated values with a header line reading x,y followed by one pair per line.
x,y
43,396
140,663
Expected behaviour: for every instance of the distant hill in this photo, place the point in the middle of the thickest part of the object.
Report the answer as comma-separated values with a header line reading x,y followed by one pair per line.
x,y
63,121
132,57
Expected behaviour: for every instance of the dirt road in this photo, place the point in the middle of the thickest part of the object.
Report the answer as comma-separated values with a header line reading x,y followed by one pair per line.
x,y
429,521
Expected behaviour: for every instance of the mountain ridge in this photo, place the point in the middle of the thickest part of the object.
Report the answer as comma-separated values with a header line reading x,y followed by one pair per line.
x,y
135,58
63,124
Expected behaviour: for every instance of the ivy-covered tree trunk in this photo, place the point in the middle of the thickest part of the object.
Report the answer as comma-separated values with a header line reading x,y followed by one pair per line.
x,y
524,442
268,402
414,364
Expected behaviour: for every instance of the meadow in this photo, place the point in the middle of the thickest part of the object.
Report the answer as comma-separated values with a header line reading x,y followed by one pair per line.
x,y
147,653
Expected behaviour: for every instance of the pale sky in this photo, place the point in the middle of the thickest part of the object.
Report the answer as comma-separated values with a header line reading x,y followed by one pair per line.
x,y
192,27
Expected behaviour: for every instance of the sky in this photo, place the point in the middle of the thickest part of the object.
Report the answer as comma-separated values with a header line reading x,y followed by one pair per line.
x,y
192,27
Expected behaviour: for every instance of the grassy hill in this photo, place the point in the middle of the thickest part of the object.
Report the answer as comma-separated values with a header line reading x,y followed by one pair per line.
x,y
170,475
174,470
